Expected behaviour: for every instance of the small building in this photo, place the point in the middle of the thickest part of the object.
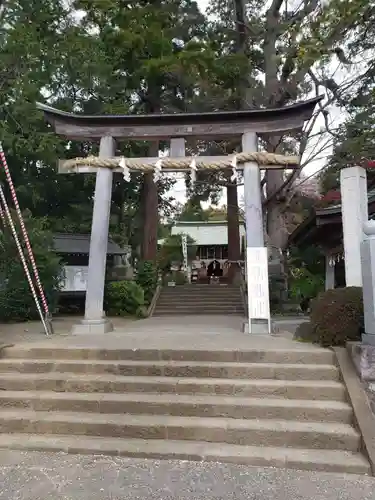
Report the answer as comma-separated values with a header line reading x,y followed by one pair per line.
x,y
74,251
211,240
323,228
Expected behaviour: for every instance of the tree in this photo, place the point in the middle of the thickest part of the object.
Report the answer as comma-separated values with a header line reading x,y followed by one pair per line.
x,y
171,251
192,211
17,302
290,48
64,63
43,55
152,52
354,142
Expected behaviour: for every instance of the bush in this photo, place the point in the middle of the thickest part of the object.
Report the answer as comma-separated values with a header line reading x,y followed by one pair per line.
x,y
147,278
337,316
305,332
124,298
16,300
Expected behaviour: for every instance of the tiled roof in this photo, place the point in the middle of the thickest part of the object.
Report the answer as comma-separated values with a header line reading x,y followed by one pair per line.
x,y
80,243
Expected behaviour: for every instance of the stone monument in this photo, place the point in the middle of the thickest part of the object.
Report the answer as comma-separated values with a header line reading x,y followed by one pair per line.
x,y
359,249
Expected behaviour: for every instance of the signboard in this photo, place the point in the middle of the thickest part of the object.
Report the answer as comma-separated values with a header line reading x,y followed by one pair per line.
x,y
257,283
75,279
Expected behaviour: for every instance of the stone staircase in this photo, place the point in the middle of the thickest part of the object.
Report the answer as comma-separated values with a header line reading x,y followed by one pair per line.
x,y
197,299
258,407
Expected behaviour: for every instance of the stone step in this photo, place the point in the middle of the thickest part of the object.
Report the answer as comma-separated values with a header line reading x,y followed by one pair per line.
x,y
201,296
176,405
275,433
201,286
263,456
188,310
208,302
320,390
208,289
201,307
192,369
192,311
305,354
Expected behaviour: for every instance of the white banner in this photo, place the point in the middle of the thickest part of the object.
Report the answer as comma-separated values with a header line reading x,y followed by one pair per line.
x,y
257,283
184,250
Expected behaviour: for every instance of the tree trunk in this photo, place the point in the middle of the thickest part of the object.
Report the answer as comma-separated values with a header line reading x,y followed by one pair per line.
x,y
277,232
234,247
150,212
276,220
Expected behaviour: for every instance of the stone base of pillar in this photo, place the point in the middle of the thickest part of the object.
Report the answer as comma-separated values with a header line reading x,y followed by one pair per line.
x,y
92,327
363,356
368,340
258,327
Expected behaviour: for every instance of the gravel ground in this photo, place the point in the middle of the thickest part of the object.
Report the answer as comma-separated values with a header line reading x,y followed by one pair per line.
x,y
34,475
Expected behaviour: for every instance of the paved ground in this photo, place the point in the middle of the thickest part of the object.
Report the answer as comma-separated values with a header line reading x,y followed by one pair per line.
x,y
40,476
33,475
159,332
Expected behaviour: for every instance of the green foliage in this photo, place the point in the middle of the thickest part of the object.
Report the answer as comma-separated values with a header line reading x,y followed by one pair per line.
x,y
16,300
141,312
303,283
147,278
124,298
306,272
337,316
178,277
192,211
171,251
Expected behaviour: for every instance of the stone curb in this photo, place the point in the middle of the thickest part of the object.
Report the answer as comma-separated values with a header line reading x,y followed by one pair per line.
x,y
363,416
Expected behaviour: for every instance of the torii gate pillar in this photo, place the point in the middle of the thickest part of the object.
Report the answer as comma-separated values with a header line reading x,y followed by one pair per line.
x,y
95,320
259,316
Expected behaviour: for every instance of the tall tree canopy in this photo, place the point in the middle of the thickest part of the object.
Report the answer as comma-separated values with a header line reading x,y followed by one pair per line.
x,y
293,49
99,56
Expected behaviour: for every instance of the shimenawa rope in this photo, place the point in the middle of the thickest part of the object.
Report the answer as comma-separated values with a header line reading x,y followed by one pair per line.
x,y
261,158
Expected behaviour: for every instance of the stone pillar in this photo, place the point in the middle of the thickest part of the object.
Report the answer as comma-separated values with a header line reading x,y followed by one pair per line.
x,y
95,320
330,273
354,215
256,253
368,281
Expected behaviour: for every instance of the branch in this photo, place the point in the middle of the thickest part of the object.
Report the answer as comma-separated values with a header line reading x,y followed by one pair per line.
x,y
275,7
288,67
322,106
289,90
294,175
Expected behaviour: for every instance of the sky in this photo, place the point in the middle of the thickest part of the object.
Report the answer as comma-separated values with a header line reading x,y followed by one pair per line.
x,y
203,4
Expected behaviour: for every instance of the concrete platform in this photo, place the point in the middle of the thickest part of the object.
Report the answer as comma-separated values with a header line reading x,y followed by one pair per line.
x,y
179,332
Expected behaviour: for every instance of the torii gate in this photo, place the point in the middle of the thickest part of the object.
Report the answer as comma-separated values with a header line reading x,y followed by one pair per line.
x,y
176,127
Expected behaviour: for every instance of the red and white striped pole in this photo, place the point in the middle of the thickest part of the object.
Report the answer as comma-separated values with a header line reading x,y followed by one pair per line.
x,y
23,260
2,216
23,229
